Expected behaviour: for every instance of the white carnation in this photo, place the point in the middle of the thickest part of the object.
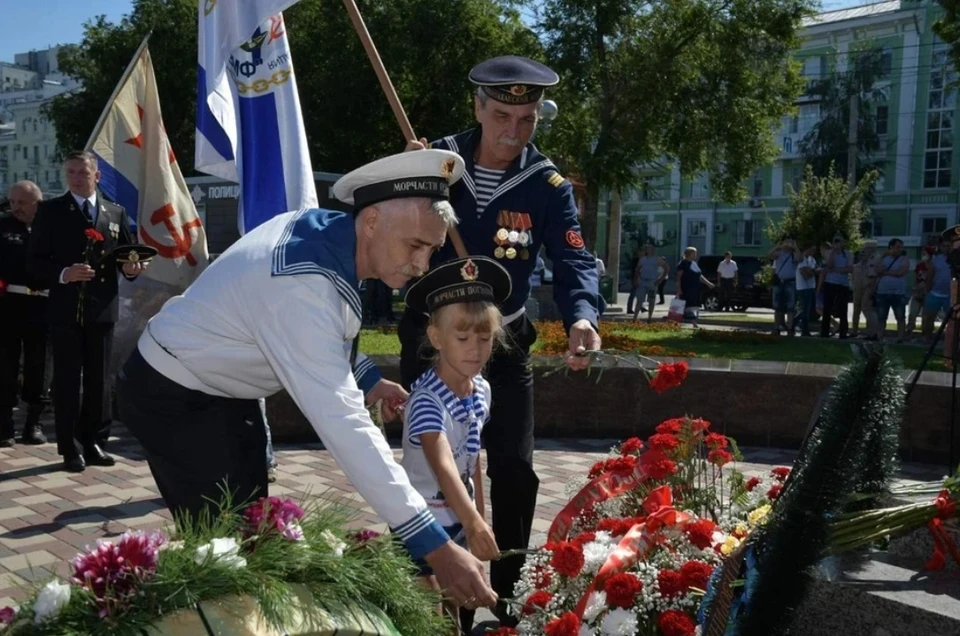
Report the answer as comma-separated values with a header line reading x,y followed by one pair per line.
x,y
596,604
51,599
585,631
619,622
225,551
595,555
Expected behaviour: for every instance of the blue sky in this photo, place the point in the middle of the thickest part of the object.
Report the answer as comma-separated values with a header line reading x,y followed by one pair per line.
x,y
37,24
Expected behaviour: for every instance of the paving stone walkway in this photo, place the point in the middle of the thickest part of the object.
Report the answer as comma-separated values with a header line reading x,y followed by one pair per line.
x,y
48,515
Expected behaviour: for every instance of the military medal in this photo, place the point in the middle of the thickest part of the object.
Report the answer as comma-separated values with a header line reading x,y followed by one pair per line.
x,y
511,253
499,252
524,238
513,237
524,254
503,235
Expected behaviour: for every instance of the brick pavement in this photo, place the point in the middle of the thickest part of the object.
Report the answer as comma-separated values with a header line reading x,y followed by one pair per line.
x,y
47,515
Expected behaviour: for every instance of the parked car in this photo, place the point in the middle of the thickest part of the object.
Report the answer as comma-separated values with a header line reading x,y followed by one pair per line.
x,y
748,293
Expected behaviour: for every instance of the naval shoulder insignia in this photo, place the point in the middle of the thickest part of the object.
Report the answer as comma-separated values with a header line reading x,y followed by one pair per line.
x,y
555,179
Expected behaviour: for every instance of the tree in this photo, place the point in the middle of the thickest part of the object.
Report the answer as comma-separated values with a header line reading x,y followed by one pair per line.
x,y
824,206
947,28
827,143
428,47
703,83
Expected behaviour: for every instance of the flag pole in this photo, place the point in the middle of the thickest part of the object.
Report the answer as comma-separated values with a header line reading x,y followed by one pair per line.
x,y
116,90
392,97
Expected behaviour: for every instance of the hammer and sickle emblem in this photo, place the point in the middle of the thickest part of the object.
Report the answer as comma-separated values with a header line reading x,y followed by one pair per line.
x,y
182,242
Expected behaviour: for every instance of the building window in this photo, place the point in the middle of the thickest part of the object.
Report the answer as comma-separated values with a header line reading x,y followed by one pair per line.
x,y
809,116
757,185
652,188
886,61
25,153
938,156
651,231
883,114
700,187
872,227
933,224
749,233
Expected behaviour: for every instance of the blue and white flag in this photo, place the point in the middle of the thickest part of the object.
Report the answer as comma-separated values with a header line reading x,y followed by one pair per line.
x,y
249,123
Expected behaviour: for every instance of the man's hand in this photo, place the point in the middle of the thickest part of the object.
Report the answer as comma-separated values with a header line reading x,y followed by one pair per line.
x,y
393,396
417,145
133,269
461,576
583,338
78,273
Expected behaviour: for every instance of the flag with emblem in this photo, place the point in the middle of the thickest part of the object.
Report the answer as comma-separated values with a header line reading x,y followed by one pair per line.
x,y
139,171
249,123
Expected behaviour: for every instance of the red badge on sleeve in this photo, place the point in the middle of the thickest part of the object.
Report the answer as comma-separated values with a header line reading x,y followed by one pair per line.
x,y
574,239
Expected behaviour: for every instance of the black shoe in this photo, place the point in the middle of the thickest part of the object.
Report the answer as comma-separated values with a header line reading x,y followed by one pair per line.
x,y
33,434
6,442
74,464
96,457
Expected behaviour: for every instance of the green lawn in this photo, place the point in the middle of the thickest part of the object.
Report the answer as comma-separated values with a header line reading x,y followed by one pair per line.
x,y
375,342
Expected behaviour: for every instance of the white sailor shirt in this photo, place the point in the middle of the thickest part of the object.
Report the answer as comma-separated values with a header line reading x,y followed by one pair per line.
x,y
434,408
279,310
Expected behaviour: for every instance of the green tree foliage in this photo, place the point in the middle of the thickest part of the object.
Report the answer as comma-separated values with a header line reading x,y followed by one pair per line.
x,y
824,206
700,82
827,142
428,47
947,27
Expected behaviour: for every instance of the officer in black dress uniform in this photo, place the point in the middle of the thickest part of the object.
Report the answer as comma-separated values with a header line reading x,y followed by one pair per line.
x,y
69,263
510,202
23,328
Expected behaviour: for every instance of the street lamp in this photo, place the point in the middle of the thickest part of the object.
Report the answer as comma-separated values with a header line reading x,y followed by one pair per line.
x,y
548,111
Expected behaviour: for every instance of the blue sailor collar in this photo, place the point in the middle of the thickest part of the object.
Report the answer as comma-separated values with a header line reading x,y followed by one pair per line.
x,y
530,162
455,406
324,242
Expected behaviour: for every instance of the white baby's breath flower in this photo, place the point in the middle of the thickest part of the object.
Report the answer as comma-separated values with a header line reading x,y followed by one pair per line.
x,y
585,631
619,622
51,599
225,551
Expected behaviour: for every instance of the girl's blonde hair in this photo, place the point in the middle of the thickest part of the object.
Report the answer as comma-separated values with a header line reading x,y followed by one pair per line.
x,y
477,316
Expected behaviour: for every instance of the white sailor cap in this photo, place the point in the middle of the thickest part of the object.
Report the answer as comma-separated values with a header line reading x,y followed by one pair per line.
x,y
417,173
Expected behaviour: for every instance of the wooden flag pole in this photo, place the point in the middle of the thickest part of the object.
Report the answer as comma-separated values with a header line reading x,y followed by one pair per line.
x,y
391,94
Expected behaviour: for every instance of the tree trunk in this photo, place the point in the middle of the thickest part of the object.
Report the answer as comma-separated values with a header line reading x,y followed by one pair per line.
x,y
613,239
588,216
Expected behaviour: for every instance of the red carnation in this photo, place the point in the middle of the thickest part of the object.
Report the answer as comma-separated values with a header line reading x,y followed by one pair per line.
x,y
660,469
620,464
622,590
631,447
699,424
567,558
695,574
780,472
669,375
719,457
92,234
671,583
566,625
774,492
715,440
676,623
537,600
700,533
541,578
752,483
613,526
663,442
672,427
585,537
596,470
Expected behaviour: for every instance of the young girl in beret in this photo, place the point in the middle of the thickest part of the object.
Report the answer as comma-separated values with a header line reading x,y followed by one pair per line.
x,y
450,403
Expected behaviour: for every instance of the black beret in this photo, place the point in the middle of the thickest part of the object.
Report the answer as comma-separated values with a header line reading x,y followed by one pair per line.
x,y
951,233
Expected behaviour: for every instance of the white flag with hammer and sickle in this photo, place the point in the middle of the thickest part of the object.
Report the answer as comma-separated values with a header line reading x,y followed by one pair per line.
x,y
140,172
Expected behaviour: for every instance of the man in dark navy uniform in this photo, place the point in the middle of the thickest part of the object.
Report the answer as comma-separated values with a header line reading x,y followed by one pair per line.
x,y
23,328
68,262
510,202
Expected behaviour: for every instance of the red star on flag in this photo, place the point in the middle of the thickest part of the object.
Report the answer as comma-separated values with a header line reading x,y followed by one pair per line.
x,y
138,140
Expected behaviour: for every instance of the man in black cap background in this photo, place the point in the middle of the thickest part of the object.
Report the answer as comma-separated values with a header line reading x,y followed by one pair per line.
x,y
23,328
511,202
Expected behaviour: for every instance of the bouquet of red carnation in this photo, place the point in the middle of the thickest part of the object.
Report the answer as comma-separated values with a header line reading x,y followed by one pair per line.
x,y
93,237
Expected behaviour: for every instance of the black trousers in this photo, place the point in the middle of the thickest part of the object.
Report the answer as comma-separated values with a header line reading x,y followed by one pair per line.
x,y
726,293
835,298
22,331
508,438
660,287
199,447
79,350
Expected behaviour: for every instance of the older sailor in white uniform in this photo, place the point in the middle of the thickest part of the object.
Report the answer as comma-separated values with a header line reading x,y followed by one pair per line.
x,y
280,309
